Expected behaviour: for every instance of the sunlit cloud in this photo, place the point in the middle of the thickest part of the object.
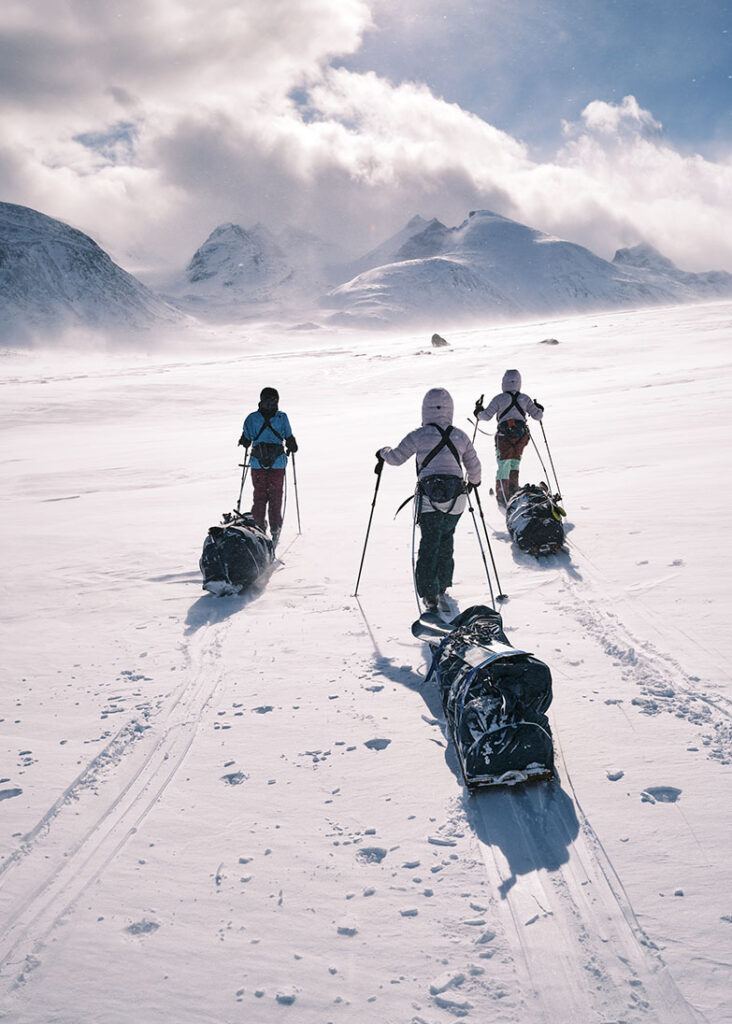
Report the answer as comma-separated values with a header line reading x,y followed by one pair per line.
x,y
148,127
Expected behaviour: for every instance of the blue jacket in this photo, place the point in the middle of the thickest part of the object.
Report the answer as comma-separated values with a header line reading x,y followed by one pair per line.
x,y
253,430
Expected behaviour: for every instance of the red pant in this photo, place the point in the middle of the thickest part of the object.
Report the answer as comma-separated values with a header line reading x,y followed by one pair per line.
x,y
268,484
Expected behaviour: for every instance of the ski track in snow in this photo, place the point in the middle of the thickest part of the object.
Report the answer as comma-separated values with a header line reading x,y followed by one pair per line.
x,y
583,954
129,776
566,917
662,684
566,922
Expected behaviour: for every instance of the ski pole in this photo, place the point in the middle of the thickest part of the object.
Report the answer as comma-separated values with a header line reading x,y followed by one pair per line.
x,y
551,460
379,467
297,500
415,520
245,467
482,552
538,455
479,402
501,595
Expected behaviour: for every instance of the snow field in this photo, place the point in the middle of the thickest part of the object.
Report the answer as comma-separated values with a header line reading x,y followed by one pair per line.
x,y
246,809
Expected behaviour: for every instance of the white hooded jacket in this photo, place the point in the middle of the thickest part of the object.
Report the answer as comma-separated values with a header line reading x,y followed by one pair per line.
x,y
503,407
437,408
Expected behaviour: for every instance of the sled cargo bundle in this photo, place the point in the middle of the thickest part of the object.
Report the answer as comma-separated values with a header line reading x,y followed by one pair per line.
x,y
495,698
235,554
534,520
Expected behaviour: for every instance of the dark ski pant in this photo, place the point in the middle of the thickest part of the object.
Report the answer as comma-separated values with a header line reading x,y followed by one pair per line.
x,y
268,484
435,561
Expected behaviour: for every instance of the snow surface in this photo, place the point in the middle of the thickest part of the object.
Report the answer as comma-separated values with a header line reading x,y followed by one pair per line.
x,y
247,809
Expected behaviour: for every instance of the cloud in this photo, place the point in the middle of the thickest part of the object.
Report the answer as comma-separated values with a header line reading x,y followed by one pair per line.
x,y
148,126
617,119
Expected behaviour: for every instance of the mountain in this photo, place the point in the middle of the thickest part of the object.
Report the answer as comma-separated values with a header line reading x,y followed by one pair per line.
x,y
492,266
241,272
400,247
53,278
648,264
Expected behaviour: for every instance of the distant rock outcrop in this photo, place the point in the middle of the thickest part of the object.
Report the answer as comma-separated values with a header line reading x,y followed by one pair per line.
x,y
54,278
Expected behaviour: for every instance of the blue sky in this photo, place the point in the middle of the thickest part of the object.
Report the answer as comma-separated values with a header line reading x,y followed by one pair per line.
x,y
147,125
525,66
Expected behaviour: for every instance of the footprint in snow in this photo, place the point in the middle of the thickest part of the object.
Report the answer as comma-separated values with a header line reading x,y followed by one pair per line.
x,y
371,854
234,778
143,927
446,981
7,794
377,744
660,794
614,776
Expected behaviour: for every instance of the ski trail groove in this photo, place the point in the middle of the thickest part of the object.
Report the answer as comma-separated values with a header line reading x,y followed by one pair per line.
x,y
585,958
32,907
662,682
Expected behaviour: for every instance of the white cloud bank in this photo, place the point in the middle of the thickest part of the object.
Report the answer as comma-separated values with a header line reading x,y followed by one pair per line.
x,y
147,125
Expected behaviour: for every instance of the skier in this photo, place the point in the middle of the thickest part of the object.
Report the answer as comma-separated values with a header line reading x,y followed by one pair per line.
x,y
441,452
512,434
266,430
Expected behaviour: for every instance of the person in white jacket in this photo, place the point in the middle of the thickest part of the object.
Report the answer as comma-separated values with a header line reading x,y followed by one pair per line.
x,y
441,451
510,407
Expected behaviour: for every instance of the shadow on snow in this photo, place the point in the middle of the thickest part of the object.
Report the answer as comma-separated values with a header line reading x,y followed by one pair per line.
x,y
533,825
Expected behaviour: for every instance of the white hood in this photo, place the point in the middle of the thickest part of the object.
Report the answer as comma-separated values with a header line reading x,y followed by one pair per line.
x,y
511,381
437,407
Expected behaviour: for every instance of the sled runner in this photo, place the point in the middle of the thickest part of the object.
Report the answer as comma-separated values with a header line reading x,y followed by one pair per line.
x,y
495,698
534,520
235,554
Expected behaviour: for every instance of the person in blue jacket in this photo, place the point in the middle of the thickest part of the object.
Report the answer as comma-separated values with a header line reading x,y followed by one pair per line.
x,y
268,431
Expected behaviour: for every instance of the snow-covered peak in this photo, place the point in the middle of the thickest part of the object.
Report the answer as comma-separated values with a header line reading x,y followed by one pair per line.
x,y
653,267
399,246
54,277
234,256
643,255
491,265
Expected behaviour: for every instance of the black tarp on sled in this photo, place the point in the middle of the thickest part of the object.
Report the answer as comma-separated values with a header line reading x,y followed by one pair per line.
x,y
534,520
495,698
235,554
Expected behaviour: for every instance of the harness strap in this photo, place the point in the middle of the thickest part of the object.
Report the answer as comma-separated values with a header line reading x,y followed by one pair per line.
x,y
444,442
513,404
267,423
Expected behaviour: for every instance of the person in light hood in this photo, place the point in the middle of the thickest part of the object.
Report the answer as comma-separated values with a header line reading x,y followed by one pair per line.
x,y
510,407
442,453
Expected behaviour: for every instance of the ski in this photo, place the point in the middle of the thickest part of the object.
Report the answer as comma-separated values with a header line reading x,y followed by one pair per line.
x,y
430,627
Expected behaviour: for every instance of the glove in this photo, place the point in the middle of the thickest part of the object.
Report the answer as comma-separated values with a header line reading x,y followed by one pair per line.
x,y
291,444
539,405
244,441
379,461
471,487
478,408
